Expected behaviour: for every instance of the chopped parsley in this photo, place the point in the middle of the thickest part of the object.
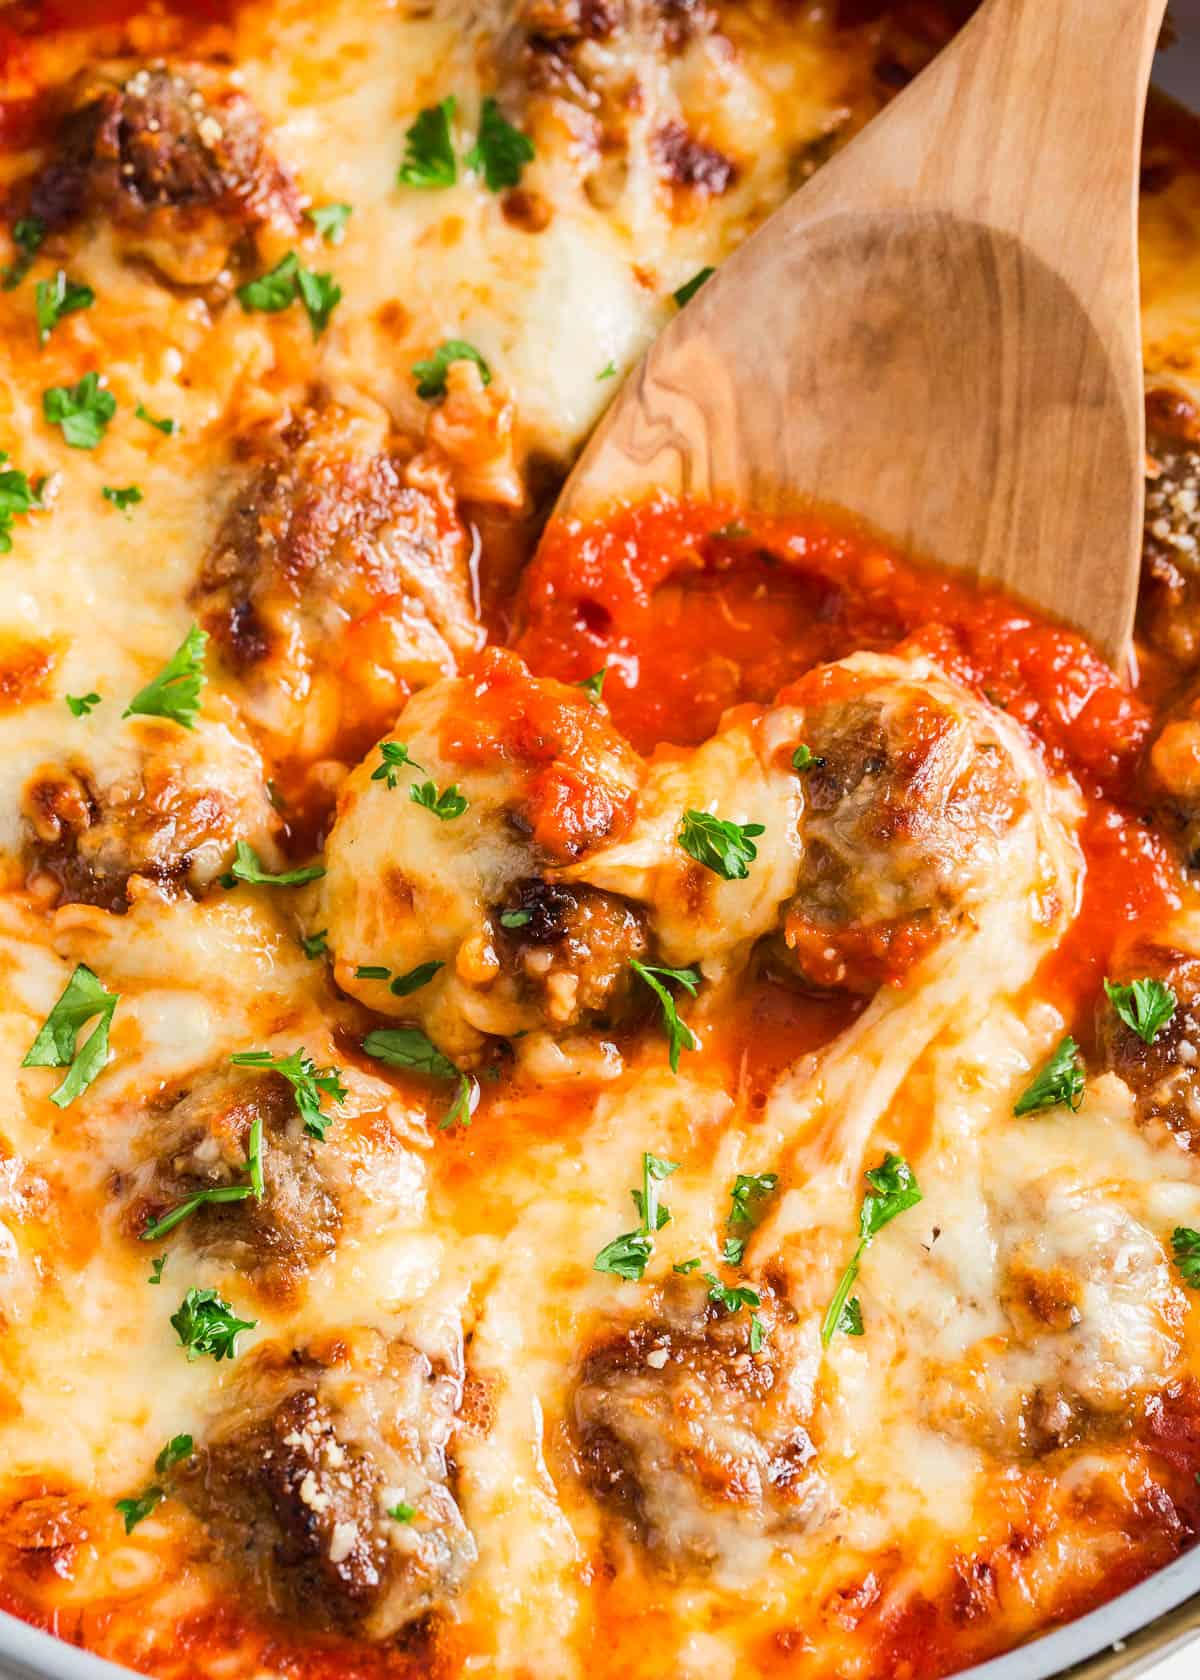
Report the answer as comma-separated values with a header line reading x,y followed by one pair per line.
x,y
724,847
408,1047
515,918
393,756
627,1255
679,1035
137,1510
1185,1245
446,805
686,1266
287,281
58,297
314,945
17,495
1146,1006
608,372
758,1333
83,411
749,1188
247,866
892,1189
330,221
218,1195
851,1321
371,971
431,375
1059,1084
307,1080
733,1251
175,692
27,235
593,686
688,290
733,1299
156,1269
177,1448
805,759
405,984
167,427
429,148
501,151
84,998
122,499
206,1324
400,1512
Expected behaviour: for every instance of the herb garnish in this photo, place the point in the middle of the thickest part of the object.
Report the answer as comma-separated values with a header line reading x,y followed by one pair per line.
x,y
724,847
1060,1083
394,756
27,235
137,1510
627,1255
1146,1006
405,984
805,759
750,1188
446,805
690,287
83,411
1185,1245
17,495
431,375
893,1189
216,1196
288,280
307,1080
57,1044
156,1269
175,692
330,220
593,686
408,1047
500,151
247,866
205,1323
122,499
428,148
314,945
58,297
679,1035
167,427
515,918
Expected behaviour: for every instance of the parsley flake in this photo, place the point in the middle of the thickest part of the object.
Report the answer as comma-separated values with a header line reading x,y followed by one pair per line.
x,y
679,1035
247,866
688,290
627,1255
80,705
17,495
83,411
58,297
724,847
607,372
515,918
1185,1245
892,1189
1146,1006
216,1196
750,1188
431,375
805,759
429,149
167,427
177,1448
84,998
686,1266
593,686
330,221
27,235
400,1512
394,756
287,281
205,1323
315,945
122,499
175,692
1059,1084
307,1080
408,1047
372,971
733,1299
851,1321
137,1510
758,1333
405,984
501,151
320,294
446,805
156,1269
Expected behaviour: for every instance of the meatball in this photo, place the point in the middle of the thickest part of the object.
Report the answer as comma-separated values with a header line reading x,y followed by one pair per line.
x,y
543,779
325,1487
1169,600
198,1139
173,158
910,796
339,579
1164,1076
155,802
698,1447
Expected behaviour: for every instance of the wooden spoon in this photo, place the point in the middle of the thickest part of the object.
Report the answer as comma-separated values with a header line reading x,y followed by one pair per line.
x,y
940,331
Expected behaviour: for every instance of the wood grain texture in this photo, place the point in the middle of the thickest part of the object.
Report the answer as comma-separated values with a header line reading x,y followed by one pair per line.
x,y
940,331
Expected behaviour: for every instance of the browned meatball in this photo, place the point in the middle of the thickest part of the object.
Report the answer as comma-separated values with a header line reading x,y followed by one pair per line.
x,y
198,1140
336,584
1169,600
908,798
325,1489
174,159
1164,1076
571,955
694,1442
155,802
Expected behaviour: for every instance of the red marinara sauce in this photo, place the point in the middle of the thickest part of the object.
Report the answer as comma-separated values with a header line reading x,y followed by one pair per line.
x,y
695,608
